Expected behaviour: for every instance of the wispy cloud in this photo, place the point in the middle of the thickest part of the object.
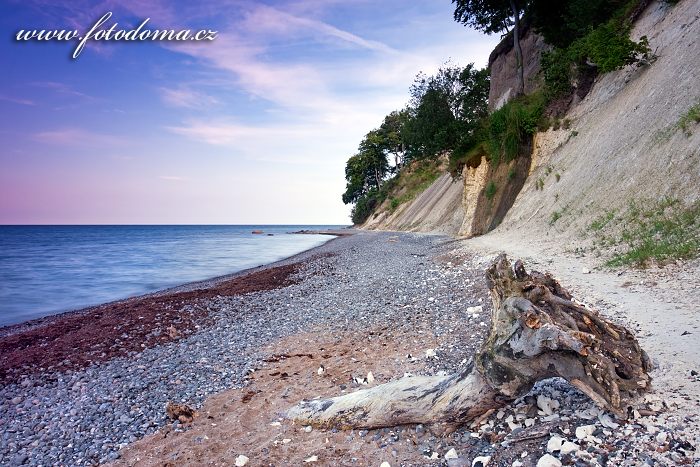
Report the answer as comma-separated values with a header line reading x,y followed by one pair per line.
x,y
77,137
61,88
172,178
186,97
17,100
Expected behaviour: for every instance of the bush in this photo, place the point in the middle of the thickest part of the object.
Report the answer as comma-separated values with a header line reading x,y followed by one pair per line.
x,y
511,126
606,45
363,207
490,191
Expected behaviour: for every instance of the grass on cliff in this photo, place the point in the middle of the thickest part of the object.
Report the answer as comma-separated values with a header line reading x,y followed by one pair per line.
x,y
689,119
414,182
650,232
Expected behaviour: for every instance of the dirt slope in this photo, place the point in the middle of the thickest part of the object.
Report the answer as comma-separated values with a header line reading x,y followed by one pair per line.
x,y
438,209
622,144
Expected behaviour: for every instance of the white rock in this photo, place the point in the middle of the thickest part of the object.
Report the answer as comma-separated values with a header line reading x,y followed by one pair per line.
x,y
483,459
385,464
651,429
607,421
585,271
308,429
548,460
434,455
554,443
475,309
430,353
529,422
313,458
568,447
662,437
321,370
451,454
275,424
241,461
516,464
286,441
547,405
584,430
370,378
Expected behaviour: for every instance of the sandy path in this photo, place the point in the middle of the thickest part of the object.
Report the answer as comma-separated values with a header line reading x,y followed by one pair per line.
x,y
660,304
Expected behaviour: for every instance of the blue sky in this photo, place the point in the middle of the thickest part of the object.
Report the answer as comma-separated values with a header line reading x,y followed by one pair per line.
x,y
253,127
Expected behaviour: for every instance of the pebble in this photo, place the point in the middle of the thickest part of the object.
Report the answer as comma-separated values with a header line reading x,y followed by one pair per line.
x,y
584,431
241,460
554,443
548,460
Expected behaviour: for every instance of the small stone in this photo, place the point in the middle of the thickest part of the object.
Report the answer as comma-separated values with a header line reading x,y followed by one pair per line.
x,y
568,447
308,429
430,353
451,454
607,421
370,378
313,458
481,461
16,400
241,460
547,405
19,459
554,443
321,370
662,437
584,431
585,270
475,309
286,441
516,463
548,460
385,464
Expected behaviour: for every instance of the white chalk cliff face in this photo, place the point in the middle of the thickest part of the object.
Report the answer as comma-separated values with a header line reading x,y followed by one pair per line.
x,y
622,145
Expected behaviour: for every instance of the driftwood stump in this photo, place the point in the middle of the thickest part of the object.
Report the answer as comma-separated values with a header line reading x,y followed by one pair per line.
x,y
537,332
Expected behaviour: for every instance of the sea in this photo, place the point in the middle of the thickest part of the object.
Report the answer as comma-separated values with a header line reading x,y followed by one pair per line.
x,y
45,270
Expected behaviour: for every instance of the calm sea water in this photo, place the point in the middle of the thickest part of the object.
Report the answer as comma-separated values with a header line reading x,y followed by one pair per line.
x,y
49,269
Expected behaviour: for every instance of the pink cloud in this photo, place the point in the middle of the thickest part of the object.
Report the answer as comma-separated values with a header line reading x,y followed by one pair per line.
x,y
77,137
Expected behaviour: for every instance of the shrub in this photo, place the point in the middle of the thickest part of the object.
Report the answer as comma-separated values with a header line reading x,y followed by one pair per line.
x,y
511,126
688,118
490,191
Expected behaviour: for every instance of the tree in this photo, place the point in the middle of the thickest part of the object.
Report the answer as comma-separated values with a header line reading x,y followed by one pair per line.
x,y
445,109
538,331
392,133
491,16
365,170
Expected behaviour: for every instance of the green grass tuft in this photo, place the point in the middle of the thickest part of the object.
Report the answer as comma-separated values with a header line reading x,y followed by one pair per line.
x,y
658,232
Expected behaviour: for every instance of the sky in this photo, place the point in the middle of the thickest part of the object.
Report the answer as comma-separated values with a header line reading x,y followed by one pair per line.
x,y
253,127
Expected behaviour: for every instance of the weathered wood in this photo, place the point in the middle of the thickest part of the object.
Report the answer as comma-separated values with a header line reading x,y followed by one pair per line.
x,y
537,332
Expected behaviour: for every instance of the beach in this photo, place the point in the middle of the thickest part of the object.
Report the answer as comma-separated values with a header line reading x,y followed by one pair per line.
x,y
92,386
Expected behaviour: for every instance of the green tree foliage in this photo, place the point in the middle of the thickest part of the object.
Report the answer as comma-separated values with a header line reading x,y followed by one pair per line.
x,y
562,22
445,110
589,36
444,113
366,170
392,134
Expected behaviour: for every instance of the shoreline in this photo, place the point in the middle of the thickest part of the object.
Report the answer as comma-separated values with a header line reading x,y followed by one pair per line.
x,y
69,334
9,329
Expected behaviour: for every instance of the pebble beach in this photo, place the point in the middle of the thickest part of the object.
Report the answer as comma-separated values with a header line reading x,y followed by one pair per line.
x,y
214,338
